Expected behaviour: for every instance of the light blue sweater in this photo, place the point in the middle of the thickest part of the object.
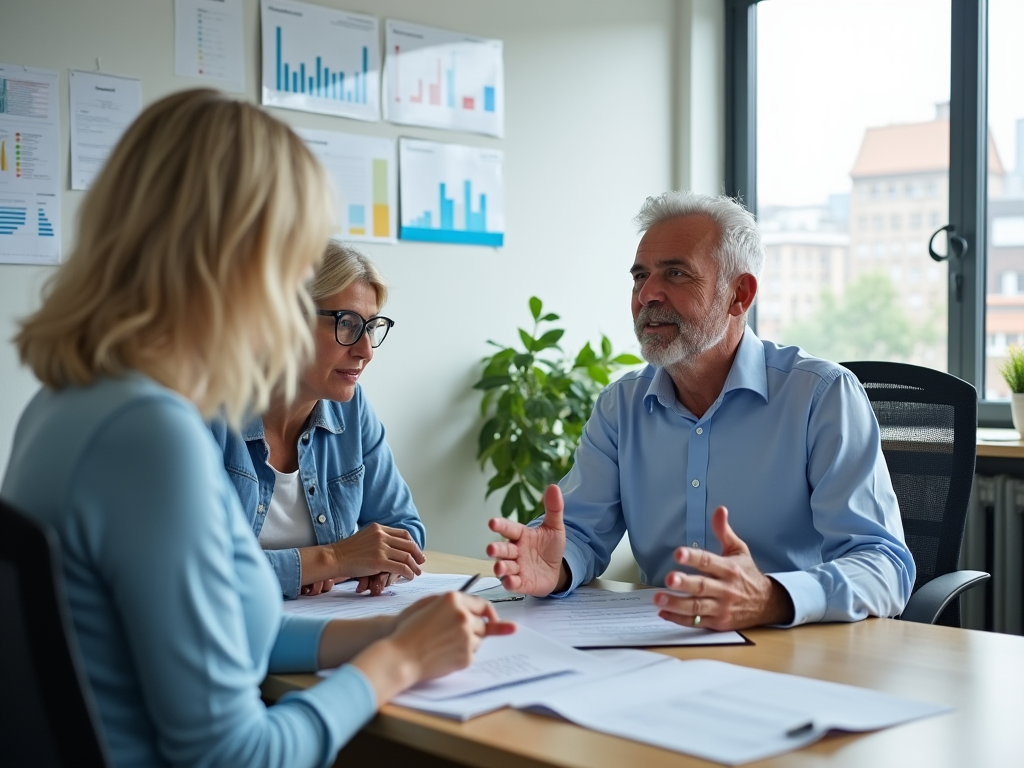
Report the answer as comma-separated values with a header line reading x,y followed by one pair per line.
x,y
176,610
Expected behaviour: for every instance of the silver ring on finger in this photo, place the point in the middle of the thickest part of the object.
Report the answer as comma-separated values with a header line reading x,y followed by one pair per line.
x,y
696,620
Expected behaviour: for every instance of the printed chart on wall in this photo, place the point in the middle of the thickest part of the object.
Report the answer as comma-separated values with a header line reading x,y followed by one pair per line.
x,y
29,166
451,193
208,42
102,108
443,79
319,59
364,175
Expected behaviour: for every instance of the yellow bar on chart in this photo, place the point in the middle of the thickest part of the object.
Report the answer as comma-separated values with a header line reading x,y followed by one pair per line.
x,y
3,155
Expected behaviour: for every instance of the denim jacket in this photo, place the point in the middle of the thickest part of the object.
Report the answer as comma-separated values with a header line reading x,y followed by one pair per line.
x,y
346,469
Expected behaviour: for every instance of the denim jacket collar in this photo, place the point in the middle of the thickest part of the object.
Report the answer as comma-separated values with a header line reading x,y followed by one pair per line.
x,y
322,417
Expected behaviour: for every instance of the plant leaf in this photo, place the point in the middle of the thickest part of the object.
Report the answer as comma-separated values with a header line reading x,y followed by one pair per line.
x,y
549,339
606,346
535,307
490,382
627,359
549,317
598,373
513,500
585,357
527,340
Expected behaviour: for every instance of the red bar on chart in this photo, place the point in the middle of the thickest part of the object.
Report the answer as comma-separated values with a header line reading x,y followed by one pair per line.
x,y
435,88
467,102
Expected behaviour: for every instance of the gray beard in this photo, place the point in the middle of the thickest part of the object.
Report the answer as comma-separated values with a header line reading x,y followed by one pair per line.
x,y
691,340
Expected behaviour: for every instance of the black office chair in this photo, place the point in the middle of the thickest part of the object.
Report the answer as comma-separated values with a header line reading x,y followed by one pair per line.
x,y
47,717
929,423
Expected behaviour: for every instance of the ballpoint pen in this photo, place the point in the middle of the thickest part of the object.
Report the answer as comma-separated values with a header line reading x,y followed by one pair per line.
x,y
470,582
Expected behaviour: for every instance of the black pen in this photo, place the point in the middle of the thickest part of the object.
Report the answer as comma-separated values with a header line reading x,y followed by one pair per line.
x,y
470,583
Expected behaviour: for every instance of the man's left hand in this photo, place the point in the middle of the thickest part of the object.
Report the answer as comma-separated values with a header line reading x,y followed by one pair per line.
x,y
729,592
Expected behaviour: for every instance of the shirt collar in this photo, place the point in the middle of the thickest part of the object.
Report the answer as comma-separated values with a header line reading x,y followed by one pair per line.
x,y
748,372
322,417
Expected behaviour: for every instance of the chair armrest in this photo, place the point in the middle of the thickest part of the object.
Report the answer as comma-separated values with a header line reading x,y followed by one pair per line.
x,y
929,601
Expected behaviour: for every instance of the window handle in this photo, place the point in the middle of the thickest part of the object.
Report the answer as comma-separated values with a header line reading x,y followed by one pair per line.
x,y
957,244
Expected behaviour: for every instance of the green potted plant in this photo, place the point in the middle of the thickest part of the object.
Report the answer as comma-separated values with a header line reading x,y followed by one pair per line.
x,y
1013,373
536,401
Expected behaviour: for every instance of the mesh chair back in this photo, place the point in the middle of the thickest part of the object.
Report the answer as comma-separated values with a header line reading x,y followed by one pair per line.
x,y
929,422
46,710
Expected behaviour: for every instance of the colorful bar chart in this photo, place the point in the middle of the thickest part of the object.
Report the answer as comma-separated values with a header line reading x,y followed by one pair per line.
x,y
318,59
451,193
364,174
443,79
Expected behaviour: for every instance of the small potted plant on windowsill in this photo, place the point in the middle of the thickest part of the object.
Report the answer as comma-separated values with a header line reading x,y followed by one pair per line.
x,y
1013,374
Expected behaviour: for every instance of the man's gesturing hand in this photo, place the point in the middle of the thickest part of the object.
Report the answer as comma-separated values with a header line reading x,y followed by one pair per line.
x,y
729,592
531,560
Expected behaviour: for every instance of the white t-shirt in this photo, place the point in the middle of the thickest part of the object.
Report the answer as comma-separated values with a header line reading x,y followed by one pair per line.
x,y
288,522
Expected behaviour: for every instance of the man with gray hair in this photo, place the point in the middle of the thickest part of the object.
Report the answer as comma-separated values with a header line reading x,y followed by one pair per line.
x,y
763,462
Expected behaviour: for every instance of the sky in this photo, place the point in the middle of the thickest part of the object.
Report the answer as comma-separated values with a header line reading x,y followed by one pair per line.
x,y
829,69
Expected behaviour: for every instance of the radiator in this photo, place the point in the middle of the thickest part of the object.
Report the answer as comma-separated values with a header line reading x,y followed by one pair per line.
x,y
994,542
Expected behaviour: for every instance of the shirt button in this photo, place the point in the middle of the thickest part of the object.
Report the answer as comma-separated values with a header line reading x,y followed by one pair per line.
x,y
305,437
700,430
322,519
312,490
695,483
695,545
260,509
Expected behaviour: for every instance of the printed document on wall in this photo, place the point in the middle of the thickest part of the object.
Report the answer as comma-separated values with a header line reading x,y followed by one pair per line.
x,y
320,59
208,42
443,79
29,166
451,193
365,180
102,108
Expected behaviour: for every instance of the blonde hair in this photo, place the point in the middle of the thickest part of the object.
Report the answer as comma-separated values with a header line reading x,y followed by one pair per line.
x,y
191,249
342,266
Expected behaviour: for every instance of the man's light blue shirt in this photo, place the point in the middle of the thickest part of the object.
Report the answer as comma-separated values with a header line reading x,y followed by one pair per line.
x,y
791,447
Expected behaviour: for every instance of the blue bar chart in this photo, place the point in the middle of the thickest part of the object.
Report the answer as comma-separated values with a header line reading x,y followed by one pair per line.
x,y
442,79
318,59
451,194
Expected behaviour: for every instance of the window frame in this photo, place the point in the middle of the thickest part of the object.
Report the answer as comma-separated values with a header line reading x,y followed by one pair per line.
x,y
968,171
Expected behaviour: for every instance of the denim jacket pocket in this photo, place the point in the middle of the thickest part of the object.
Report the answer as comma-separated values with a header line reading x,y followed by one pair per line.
x,y
346,495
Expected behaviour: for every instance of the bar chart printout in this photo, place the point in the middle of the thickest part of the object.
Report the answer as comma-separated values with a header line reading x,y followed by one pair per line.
x,y
443,79
451,193
318,59
29,166
364,174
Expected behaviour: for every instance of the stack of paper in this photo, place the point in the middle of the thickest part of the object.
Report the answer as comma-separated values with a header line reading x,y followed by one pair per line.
x,y
343,602
598,618
725,713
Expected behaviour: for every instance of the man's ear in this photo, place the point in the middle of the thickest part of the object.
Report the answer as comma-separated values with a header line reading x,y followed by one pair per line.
x,y
744,288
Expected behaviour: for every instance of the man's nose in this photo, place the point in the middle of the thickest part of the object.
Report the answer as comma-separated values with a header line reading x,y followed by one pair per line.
x,y
650,292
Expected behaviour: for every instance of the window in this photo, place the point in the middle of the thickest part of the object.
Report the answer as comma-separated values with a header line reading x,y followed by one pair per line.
x,y
953,65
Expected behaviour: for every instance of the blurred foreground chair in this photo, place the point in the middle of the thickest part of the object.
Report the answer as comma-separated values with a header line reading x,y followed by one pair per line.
x,y
929,423
47,717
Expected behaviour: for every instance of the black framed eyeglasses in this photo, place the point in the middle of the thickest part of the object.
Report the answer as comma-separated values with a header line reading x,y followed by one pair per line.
x,y
349,326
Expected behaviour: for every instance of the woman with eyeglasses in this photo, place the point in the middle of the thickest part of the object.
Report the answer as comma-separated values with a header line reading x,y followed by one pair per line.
x,y
315,475
184,298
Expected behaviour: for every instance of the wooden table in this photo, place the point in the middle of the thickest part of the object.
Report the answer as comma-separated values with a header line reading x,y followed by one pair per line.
x,y
979,673
1000,443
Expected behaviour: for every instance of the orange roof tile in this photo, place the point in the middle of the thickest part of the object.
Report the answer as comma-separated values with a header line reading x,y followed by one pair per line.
x,y
911,148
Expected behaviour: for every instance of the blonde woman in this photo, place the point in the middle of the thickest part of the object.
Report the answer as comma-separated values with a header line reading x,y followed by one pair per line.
x,y
315,475
183,299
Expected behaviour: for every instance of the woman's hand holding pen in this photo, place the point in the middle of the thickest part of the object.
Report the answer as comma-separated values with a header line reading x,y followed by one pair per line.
x,y
432,637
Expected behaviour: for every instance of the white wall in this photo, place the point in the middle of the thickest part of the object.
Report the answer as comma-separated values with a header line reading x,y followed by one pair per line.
x,y
607,101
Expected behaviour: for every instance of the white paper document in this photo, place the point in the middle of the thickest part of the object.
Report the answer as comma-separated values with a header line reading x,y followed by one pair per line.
x,y
725,713
598,618
29,166
102,108
208,42
504,660
591,666
342,602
